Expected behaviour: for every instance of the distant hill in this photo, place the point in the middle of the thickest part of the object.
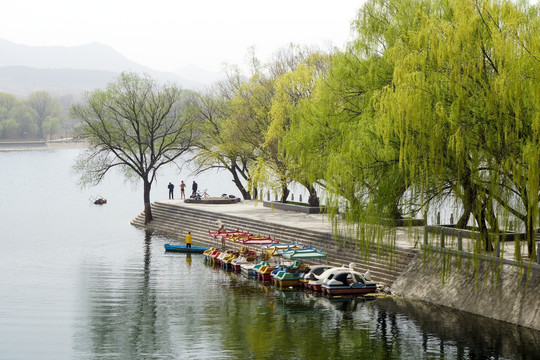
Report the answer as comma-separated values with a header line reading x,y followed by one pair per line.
x,y
93,56
73,69
22,80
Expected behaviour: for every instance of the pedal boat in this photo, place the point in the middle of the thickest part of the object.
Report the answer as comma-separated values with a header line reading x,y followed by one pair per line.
x,y
313,269
347,282
315,281
286,278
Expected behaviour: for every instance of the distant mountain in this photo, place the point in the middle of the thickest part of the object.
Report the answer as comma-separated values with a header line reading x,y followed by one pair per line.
x,y
93,56
22,80
73,69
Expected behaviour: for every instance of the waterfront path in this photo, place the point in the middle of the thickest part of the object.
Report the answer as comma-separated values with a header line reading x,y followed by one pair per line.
x,y
409,238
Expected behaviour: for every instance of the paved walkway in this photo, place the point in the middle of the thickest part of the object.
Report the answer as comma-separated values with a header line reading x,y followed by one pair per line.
x,y
255,210
251,209
406,238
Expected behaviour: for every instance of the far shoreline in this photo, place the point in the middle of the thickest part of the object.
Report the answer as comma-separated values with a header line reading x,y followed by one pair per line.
x,y
59,144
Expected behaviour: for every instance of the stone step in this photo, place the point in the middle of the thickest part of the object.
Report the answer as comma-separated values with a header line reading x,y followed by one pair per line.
x,y
175,221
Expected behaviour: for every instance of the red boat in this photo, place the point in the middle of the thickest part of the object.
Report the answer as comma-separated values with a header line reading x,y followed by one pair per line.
x,y
219,234
259,241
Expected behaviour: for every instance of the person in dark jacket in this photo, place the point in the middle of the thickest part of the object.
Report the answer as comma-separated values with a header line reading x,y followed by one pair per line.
x,y
194,188
171,190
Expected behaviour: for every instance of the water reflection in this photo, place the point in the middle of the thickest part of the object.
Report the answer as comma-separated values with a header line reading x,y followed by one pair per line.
x,y
175,306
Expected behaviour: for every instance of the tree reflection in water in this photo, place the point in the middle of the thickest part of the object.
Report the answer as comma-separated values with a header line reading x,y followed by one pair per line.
x,y
175,306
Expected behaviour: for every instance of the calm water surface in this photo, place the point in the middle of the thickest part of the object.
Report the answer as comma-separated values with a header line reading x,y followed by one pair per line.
x,y
79,282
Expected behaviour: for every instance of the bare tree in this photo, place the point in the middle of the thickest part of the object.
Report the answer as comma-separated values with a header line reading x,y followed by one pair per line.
x,y
137,125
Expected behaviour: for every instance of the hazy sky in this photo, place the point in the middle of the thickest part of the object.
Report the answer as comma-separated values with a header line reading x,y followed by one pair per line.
x,y
169,34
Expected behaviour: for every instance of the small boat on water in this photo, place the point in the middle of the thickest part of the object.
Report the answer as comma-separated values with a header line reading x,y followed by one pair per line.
x,y
348,282
264,273
236,264
278,250
313,269
289,274
211,255
247,270
315,281
286,278
183,248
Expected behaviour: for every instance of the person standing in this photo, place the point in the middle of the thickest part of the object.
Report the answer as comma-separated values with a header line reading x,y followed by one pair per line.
x,y
171,190
194,188
182,192
188,240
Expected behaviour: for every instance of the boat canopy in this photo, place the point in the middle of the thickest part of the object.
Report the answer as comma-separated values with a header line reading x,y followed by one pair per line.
x,y
304,254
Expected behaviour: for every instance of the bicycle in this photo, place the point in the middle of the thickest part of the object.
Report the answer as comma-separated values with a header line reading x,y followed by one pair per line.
x,y
203,193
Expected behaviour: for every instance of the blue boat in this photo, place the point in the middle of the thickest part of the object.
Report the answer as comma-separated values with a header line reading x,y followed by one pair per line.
x,y
183,248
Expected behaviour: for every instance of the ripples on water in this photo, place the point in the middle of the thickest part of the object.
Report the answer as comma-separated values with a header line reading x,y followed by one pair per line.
x,y
79,282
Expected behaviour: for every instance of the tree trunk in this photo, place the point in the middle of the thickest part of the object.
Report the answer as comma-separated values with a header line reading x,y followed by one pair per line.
x,y
284,194
483,229
236,180
147,206
313,199
530,231
468,199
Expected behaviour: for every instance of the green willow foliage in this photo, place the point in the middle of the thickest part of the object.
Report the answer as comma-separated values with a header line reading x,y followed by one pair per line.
x,y
434,98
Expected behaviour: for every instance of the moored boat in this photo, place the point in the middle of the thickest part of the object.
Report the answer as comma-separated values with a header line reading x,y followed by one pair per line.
x,y
264,273
286,278
247,270
219,234
348,282
242,260
299,254
315,281
183,248
313,269
261,241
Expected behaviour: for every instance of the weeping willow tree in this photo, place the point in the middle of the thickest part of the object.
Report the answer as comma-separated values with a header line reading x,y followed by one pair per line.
x,y
219,145
294,83
463,105
433,99
334,132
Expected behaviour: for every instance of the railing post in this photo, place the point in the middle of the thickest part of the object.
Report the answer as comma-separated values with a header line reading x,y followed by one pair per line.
x,y
425,235
442,239
498,249
460,241
438,218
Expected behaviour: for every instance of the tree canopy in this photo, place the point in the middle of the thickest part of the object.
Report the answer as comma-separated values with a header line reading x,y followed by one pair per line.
x,y
433,98
136,125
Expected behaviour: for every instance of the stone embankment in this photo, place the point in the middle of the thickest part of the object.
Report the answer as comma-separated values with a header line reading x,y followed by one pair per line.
x,y
177,218
506,292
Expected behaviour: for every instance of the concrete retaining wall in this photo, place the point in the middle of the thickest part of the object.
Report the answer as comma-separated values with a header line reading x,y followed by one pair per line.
x,y
512,296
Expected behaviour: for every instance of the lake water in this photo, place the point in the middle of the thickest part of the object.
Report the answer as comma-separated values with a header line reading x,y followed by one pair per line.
x,y
79,282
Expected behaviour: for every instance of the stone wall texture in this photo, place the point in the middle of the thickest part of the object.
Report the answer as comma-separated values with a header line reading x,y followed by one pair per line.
x,y
509,293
